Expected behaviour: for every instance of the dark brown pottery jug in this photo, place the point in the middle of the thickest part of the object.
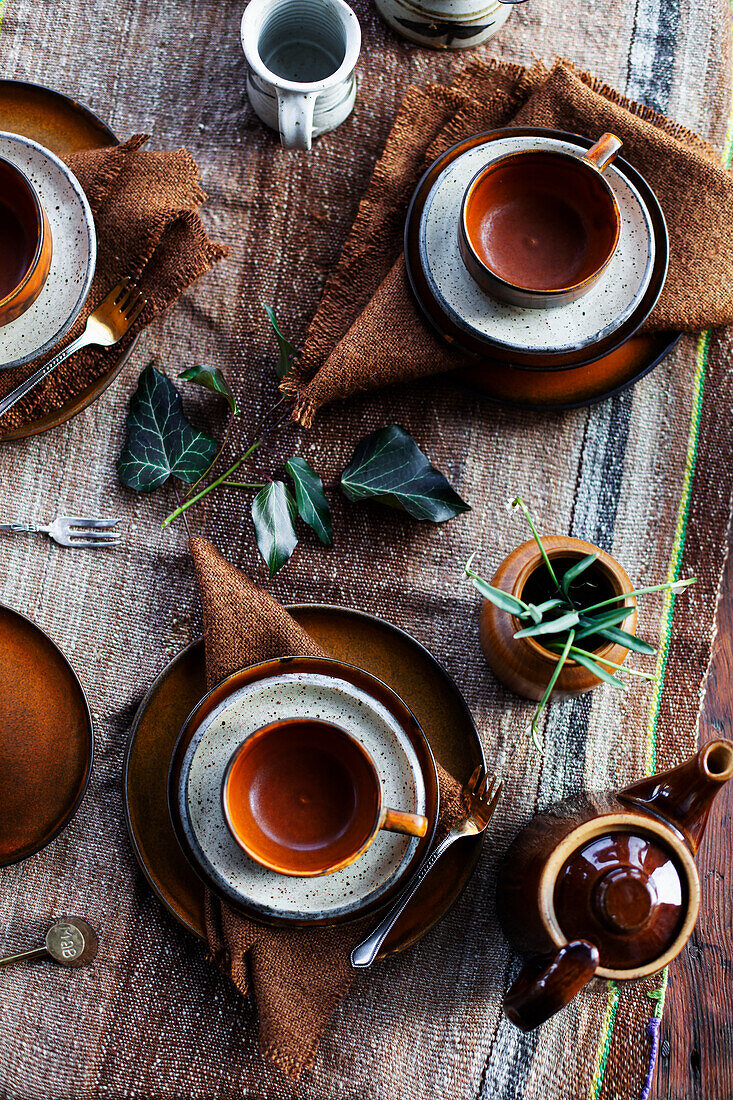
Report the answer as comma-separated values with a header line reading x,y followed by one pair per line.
x,y
605,884
523,664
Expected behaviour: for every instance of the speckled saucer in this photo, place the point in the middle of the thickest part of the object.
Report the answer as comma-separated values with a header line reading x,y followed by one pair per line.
x,y
510,329
299,687
53,313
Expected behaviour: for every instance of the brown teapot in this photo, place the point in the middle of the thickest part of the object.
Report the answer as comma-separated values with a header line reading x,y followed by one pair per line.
x,y
605,884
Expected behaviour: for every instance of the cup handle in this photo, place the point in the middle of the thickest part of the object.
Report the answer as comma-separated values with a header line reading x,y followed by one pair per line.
x,y
295,119
603,152
394,821
545,984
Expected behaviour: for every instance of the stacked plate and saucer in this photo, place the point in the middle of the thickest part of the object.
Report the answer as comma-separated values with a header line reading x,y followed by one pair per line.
x,y
302,791
573,353
45,216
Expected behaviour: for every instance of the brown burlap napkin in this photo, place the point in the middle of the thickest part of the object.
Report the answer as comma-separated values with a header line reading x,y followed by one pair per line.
x,y
145,211
367,331
296,976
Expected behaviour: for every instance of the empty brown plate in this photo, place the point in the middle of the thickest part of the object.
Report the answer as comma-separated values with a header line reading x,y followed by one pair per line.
x,y
46,739
352,636
63,126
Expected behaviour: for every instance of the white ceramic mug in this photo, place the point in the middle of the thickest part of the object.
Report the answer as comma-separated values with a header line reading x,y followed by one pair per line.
x,y
301,56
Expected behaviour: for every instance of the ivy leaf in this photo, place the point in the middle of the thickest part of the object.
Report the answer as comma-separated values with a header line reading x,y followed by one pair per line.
x,y
160,441
287,352
310,498
388,465
273,512
212,379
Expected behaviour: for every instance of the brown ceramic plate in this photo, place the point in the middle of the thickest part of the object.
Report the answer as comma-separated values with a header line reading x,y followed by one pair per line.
x,y
46,739
63,126
611,368
352,636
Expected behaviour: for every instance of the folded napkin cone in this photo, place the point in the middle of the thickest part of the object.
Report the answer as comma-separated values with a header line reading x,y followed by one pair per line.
x,y
367,331
297,976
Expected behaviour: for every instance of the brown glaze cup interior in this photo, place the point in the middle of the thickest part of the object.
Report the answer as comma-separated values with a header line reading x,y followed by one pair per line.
x,y
302,797
21,229
543,222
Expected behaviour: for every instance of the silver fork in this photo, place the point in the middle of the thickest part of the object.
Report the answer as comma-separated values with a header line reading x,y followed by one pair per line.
x,y
481,794
106,326
74,531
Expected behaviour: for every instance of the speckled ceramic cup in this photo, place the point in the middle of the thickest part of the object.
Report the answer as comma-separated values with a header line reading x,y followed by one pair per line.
x,y
25,243
537,229
303,797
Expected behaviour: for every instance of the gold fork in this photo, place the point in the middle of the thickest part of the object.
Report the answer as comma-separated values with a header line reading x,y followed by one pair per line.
x,y
481,794
106,326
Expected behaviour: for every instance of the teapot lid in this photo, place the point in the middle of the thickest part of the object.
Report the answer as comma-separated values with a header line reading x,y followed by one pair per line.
x,y
625,892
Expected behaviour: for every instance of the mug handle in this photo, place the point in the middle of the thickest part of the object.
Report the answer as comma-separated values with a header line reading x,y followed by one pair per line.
x,y
603,152
394,821
545,984
295,119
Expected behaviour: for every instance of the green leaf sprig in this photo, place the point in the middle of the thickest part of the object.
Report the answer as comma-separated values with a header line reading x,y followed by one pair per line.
x,y
387,465
570,615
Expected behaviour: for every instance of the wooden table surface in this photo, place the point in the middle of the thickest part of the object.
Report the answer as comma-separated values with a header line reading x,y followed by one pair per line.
x,y
696,1052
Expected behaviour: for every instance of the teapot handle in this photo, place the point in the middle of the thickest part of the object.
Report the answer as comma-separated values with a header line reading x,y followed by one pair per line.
x,y
546,983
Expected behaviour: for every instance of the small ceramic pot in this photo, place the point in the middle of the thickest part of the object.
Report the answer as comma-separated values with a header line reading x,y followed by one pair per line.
x,y
25,243
523,664
302,797
605,885
301,56
537,229
445,24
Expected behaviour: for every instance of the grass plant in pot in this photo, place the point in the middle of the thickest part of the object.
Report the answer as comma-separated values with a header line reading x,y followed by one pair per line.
x,y
559,618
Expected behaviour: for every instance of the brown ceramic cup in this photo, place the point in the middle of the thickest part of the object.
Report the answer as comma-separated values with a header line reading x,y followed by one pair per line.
x,y
537,229
25,243
302,797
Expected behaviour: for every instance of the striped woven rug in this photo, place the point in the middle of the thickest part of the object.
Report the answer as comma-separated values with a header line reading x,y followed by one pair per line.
x,y
646,475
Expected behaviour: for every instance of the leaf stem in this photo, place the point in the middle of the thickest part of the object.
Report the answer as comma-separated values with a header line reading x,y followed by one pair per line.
x,y
548,690
245,484
207,489
612,664
519,503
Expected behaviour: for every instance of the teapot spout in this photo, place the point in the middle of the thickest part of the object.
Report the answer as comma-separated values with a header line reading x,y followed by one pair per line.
x,y
683,796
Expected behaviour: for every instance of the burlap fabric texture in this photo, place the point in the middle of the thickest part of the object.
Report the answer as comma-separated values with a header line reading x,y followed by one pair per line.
x,y
148,229
368,332
297,976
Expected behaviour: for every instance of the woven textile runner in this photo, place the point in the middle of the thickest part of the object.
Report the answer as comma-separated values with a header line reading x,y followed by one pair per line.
x,y
646,475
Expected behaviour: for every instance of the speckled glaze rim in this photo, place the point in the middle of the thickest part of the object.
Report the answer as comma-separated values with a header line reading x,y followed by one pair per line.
x,y
191,847
84,786
40,230
88,219
482,348
251,29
